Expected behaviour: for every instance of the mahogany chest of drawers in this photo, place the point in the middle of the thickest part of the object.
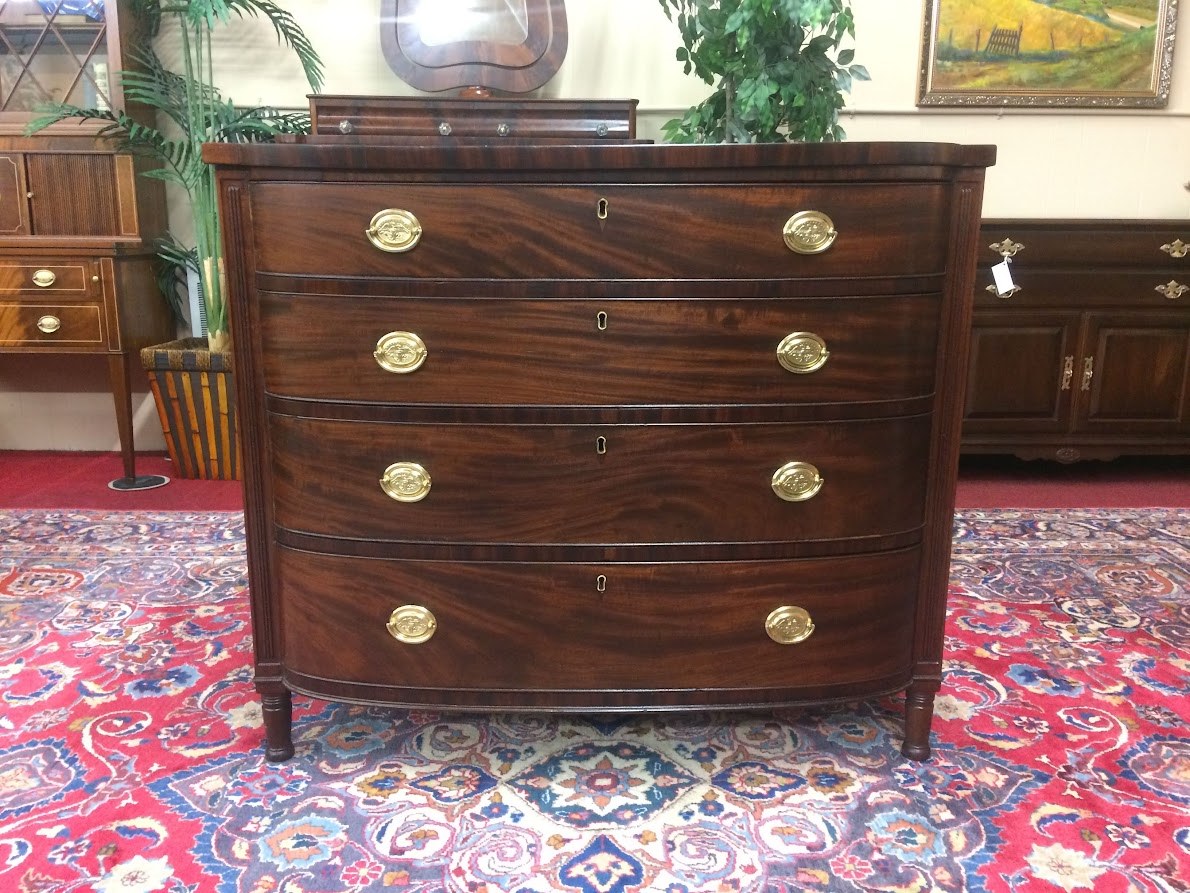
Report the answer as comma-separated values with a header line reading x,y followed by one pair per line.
x,y
599,427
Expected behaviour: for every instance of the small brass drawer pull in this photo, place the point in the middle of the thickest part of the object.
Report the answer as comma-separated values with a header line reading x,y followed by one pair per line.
x,y
1176,248
405,482
789,625
1005,295
394,230
44,278
1007,248
400,352
797,481
809,232
412,624
49,324
802,353
1172,289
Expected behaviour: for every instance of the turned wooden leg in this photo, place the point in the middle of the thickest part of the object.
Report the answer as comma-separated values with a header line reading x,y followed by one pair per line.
x,y
919,713
278,721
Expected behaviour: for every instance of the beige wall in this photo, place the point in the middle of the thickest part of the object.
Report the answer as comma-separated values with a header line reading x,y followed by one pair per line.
x,y
1067,163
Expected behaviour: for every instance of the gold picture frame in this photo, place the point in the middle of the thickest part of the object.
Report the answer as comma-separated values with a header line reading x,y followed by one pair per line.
x,y
1047,53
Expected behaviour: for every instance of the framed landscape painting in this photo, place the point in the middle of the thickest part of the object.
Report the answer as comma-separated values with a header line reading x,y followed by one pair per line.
x,y
1110,53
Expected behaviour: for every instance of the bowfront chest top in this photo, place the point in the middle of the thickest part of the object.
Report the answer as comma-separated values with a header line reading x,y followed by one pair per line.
x,y
599,427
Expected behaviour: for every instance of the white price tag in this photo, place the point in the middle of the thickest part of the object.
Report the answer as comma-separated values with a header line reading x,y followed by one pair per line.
x,y
1003,277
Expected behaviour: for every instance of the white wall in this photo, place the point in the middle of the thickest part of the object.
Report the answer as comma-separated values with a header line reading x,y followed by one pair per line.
x,y
1062,163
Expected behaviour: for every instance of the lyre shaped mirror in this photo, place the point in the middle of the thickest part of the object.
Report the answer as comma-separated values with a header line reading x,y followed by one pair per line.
x,y
514,46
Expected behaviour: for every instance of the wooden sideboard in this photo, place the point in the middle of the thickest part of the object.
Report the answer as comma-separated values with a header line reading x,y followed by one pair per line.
x,y
599,427
77,221
1090,357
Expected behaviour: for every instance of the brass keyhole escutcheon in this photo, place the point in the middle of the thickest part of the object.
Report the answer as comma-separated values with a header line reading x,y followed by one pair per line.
x,y
809,232
394,230
601,209
601,583
44,278
400,352
412,624
49,324
789,625
601,445
797,481
601,321
802,353
405,482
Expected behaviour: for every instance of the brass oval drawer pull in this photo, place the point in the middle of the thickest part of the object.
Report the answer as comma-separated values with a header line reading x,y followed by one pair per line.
x,y
405,482
400,352
49,324
797,481
809,232
789,625
44,278
412,624
394,230
802,353
1173,289
1176,248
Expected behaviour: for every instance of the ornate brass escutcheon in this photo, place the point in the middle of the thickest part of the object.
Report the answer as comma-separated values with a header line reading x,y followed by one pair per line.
x,y
1005,295
400,352
44,278
412,624
802,352
1007,248
49,324
789,625
405,482
394,230
809,232
1172,289
797,481
1176,248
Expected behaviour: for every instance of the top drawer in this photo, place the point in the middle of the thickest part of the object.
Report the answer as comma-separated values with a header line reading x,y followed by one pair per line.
x,y
60,279
523,231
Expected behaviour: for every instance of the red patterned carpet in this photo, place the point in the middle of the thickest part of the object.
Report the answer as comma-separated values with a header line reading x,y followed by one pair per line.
x,y
131,746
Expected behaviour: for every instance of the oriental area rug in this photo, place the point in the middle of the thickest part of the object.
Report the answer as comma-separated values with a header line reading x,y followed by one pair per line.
x,y
131,755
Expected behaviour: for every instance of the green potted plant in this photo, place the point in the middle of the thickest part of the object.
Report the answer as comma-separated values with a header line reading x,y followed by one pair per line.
x,y
190,110
778,68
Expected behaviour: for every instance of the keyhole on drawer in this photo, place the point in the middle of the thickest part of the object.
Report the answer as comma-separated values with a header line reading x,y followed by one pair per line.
x,y
601,321
601,445
601,209
601,583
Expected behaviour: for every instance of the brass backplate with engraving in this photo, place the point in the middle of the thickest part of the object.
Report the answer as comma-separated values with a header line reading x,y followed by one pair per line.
x,y
49,324
405,482
44,278
394,230
809,232
412,624
400,352
802,352
789,625
797,481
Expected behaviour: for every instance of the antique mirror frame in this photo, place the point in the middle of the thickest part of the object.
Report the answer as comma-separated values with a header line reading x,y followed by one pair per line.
x,y
513,46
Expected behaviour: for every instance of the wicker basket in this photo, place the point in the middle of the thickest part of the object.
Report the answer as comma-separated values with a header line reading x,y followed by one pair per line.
x,y
196,402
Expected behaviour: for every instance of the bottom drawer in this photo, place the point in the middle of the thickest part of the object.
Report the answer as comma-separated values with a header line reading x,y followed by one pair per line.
x,y
568,635
27,325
